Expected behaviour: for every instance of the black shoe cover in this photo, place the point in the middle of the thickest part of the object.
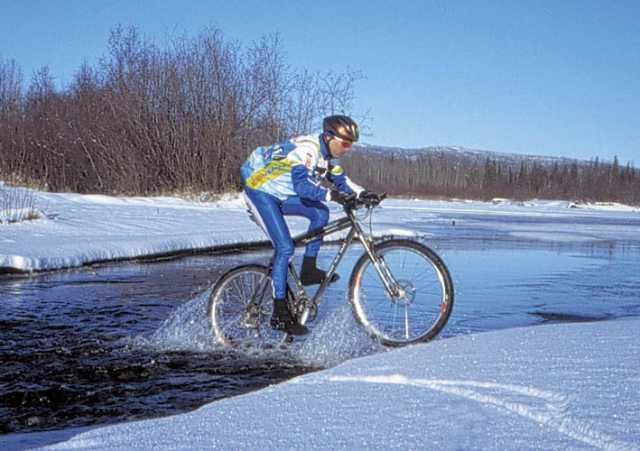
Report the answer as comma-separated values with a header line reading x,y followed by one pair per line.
x,y
310,275
282,319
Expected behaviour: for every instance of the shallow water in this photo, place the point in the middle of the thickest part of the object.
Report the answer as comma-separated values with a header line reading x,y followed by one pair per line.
x,y
132,341
117,343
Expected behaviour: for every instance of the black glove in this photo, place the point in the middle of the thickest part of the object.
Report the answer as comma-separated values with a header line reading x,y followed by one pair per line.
x,y
344,199
370,197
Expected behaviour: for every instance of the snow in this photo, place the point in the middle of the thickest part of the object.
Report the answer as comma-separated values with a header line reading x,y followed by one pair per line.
x,y
570,386
94,228
560,386
98,228
607,206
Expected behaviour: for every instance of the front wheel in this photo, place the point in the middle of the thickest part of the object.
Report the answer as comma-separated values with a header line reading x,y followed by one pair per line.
x,y
240,308
423,299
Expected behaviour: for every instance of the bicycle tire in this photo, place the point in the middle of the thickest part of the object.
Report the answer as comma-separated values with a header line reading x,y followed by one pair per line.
x,y
428,291
234,322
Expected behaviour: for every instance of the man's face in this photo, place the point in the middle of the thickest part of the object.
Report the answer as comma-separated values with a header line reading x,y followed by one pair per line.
x,y
338,146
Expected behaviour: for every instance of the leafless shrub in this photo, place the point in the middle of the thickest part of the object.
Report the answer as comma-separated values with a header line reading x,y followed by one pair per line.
x,y
182,119
17,204
149,120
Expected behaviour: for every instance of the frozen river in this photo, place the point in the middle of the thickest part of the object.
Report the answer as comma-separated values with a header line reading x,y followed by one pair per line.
x,y
111,343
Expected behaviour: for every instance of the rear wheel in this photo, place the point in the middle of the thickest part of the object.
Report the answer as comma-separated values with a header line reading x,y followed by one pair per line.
x,y
424,299
240,308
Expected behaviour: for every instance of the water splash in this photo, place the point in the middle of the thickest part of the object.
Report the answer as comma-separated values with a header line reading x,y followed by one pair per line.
x,y
334,339
187,329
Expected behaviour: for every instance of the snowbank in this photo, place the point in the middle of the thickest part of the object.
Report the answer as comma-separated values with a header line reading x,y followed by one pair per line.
x,y
76,230
83,229
570,386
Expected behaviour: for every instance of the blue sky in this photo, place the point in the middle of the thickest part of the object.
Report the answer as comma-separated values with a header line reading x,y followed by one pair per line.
x,y
538,77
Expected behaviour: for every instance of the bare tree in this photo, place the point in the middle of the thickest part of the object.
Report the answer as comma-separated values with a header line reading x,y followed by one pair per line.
x,y
183,118
12,154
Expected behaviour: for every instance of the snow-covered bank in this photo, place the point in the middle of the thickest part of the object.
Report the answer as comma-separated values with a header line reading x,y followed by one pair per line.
x,y
75,230
83,229
570,386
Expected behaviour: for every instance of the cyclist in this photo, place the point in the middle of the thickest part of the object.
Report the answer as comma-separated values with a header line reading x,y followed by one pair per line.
x,y
285,179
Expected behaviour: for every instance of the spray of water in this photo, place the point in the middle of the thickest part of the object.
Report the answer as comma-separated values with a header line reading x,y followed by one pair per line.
x,y
187,329
335,337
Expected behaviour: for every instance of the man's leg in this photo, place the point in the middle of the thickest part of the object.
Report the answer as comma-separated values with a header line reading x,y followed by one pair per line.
x,y
271,219
266,208
315,211
318,215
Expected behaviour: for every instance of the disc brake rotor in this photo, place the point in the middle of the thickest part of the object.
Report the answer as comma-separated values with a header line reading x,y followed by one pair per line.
x,y
408,293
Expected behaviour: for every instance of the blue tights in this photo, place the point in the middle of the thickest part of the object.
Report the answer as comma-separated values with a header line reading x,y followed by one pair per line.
x,y
271,212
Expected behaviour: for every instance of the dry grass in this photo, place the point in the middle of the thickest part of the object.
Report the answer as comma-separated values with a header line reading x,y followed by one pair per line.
x,y
17,205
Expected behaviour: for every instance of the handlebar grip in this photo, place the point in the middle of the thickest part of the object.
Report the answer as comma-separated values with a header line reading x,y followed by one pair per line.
x,y
374,202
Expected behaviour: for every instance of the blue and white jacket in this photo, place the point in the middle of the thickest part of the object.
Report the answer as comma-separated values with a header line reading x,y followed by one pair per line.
x,y
295,168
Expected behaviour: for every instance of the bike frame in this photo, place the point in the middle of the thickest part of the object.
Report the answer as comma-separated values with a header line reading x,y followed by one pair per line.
x,y
388,320
355,231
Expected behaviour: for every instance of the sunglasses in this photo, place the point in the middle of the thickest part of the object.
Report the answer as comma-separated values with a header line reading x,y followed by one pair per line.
x,y
345,143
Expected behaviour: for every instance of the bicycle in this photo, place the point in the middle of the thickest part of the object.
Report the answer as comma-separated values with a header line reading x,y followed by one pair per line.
x,y
400,290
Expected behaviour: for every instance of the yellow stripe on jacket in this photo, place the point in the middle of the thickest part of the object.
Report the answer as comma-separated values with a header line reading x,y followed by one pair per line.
x,y
270,172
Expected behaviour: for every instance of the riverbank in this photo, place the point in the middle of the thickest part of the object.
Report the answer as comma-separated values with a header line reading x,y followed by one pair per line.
x,y
543,387
74,230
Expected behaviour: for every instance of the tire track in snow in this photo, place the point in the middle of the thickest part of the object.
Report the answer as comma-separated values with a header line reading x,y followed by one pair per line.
x,y
552,413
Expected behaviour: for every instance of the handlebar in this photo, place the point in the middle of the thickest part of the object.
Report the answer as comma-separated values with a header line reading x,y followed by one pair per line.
x,y
367,202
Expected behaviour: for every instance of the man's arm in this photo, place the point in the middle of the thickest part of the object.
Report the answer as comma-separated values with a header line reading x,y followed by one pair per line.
x,y
302,160
338,177
304,187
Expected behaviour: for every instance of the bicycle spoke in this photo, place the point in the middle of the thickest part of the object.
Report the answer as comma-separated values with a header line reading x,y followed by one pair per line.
x,y
238,287
406,322
416,310
239,314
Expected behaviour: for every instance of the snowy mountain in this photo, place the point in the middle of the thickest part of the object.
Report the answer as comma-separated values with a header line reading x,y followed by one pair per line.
x,y
470,155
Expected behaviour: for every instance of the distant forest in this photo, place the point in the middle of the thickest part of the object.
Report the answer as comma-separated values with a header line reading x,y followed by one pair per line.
x,y
181,119
445,174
